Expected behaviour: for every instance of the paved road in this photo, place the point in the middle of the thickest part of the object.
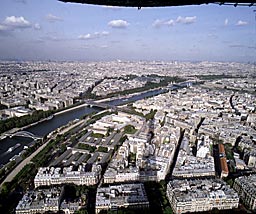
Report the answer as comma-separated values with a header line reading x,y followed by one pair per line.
x,y
28,159
71,127
22,164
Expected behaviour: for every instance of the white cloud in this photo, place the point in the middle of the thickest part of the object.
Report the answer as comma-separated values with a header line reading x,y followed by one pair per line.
x,y
111,7
226,22
3,27
37,26
241,23
170,22
93,36
165,22
53,18
86,36
160,22
118,23
52,38
11,23
104,33
39,40
16,22
186,20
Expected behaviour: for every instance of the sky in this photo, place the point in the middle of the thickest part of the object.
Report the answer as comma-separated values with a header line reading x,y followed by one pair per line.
x,y
53,30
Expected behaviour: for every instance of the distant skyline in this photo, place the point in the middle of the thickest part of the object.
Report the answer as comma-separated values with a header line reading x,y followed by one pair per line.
x,y
53,30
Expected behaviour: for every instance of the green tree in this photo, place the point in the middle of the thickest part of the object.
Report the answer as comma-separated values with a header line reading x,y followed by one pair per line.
x,y
102,149
129,129
150,115
81,211
168,210
5,188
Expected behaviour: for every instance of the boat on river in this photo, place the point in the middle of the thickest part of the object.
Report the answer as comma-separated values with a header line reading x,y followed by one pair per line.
x,y
11,149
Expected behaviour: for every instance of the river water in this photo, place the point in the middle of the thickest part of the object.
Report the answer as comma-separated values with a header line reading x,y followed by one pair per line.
x,y
48,126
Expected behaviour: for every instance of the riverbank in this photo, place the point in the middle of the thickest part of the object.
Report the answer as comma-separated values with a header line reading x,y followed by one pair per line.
x,y
48,125
26,161
11,131
84,104
70,109
53,125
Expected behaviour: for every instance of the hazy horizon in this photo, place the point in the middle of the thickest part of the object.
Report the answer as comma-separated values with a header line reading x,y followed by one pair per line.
x,y
32,30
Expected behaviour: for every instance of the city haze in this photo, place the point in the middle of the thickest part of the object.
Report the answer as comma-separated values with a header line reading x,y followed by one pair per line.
x,y
52,30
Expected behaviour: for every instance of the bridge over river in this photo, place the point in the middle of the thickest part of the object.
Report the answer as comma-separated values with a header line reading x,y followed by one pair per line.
x,y
23,134
101,105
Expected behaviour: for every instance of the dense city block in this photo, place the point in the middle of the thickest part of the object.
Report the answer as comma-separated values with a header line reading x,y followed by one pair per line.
x,y
162,137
